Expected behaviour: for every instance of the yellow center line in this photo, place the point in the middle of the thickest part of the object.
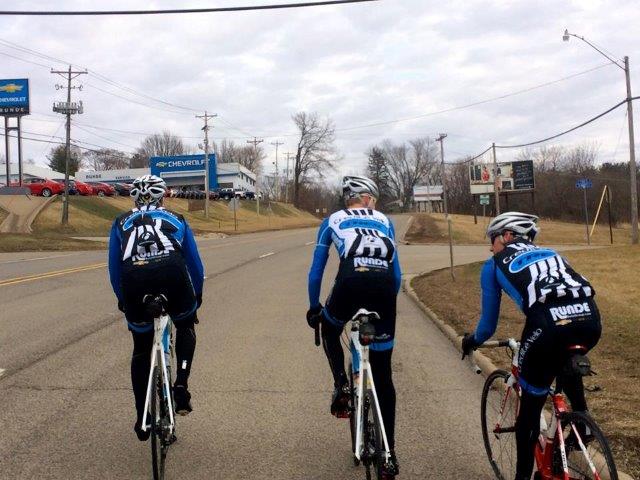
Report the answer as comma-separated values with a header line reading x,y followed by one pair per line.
x,y
57,273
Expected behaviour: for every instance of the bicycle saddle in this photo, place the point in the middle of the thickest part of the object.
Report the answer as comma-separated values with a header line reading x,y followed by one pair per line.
x,y
155,305
366,315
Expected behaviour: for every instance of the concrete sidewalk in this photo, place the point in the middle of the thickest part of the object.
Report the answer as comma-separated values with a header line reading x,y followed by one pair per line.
x,y
23,210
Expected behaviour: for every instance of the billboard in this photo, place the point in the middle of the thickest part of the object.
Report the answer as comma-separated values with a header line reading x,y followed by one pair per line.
x,y
184,166
512,177
14,97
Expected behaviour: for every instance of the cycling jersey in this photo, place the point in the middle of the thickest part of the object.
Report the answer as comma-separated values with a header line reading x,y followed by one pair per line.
x,y
531,276
149,235
365,241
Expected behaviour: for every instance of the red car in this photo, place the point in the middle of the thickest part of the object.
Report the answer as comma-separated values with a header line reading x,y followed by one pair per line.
x,y
83,188
43,186
102,189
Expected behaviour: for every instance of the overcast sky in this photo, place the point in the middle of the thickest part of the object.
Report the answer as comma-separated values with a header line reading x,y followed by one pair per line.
x,y
358,64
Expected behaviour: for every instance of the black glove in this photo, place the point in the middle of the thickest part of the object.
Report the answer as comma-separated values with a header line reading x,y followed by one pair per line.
x,y
120,306
199,300
313,316
468,343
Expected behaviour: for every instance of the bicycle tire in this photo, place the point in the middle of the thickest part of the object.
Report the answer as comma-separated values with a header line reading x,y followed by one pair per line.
x,y
374,444
157,453
596,444
353,421
500,446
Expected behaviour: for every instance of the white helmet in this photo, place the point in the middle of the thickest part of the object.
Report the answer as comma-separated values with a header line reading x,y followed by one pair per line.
x,y
148,190
354,186
521,224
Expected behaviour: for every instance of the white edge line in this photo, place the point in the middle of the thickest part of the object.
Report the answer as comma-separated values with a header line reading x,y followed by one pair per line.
x,y
2,370
267,255
310,243
35,259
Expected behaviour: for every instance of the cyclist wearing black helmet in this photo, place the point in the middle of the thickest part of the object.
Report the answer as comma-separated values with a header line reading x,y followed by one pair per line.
x,y
152,251
368,277
560,312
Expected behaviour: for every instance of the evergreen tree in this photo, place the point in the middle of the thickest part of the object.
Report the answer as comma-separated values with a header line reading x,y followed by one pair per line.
x,y
378,171
57,159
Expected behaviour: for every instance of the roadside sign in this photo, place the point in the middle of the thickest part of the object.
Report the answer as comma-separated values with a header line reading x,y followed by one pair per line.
x,y
484,199
584,183
14,97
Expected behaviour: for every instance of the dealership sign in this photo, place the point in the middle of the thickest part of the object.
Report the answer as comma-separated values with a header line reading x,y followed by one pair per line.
x,y
512,177
14,97
184,166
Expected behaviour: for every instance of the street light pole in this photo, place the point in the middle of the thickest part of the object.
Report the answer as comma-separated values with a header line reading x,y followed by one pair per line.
x,y
440,139
632,143
278,196
207,180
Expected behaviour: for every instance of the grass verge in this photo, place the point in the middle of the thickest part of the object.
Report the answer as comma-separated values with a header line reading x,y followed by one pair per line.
x,y
432,228
614,392
13,242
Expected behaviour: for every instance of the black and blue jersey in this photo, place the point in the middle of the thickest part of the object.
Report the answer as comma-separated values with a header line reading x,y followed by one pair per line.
x,y
364,239
531,276
150,234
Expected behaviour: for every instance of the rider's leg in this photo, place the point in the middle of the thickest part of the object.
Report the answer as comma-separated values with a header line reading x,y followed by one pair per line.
x,y
527,431
185,349
333,349
140,366
382,377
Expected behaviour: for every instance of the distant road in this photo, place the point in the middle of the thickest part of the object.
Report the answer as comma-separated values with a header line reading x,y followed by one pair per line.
x,y
261,388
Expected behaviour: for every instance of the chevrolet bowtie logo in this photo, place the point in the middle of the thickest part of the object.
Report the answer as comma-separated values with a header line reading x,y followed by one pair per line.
x,y
11,88
161,164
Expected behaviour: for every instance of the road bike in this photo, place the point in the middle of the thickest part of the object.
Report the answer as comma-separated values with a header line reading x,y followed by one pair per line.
x,y
571,446
158,405
368,436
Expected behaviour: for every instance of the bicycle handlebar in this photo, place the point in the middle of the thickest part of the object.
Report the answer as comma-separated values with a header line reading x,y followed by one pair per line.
x,y
509,342
317,334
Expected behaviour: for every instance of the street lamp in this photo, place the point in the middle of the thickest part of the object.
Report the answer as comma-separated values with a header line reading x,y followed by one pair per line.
x,y
632,149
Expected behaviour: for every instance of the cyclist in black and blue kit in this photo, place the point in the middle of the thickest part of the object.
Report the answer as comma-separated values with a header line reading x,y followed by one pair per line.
x,y
152,251
368,277
560,312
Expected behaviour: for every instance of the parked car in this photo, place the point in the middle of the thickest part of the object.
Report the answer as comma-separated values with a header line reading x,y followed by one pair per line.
x,y
241,194
101,189
122,188
214,195
73,190
250,195
43,186
227,193
83,188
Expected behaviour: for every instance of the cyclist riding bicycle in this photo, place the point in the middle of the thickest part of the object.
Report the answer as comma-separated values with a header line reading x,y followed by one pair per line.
x,y
368,277
152,251
560,313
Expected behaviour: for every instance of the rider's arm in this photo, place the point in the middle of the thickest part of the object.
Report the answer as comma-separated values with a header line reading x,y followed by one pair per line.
x,y
192,258
115,249
320,256
491,296
397,273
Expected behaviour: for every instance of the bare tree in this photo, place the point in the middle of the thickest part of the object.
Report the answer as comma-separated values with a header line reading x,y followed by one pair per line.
x,y
160,145
315,152
107,159
248,156
409,165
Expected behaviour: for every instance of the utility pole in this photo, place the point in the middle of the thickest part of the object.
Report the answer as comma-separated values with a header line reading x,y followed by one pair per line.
x,y
255,143
632,158
496,180
277,144
206,127
286,188
67,108
440,139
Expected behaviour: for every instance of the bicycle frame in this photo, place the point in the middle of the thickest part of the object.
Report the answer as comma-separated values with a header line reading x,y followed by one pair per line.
x,y
160,355
362,371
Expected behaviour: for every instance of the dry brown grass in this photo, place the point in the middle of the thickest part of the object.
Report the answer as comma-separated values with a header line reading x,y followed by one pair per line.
x,y
13,242
613,272
432,228
3,215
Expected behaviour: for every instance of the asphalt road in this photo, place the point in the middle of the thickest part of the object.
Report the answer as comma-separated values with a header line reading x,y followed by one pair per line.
x,y
261,388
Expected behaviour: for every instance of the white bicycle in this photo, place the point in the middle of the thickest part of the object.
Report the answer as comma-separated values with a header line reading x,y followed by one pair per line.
x,y
368,436
159,400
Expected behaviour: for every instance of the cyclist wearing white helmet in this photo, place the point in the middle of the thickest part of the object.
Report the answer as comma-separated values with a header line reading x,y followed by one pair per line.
x,y
152,251
368,277
560,312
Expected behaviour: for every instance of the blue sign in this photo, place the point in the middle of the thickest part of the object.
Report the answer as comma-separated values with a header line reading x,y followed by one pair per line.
x,y
14,97
184,166
584,183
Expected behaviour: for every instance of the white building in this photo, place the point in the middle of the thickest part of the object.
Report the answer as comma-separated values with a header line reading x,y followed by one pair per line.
x,y
28,171
428,198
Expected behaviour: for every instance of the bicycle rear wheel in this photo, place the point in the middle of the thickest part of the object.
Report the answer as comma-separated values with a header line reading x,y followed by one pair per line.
x,y
595,443
498,413
158,410
372,440
353,421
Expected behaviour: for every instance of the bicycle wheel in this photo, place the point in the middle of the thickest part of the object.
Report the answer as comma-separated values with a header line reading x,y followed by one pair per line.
x,y
372,440
595,443
157,454
353,425
498,413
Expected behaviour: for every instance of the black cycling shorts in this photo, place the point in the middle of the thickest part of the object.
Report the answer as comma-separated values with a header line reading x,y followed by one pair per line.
x,y
549,332
371,289
168,277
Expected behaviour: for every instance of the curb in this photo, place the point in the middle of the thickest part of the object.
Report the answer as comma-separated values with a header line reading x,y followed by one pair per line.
x,y
485,365
406,229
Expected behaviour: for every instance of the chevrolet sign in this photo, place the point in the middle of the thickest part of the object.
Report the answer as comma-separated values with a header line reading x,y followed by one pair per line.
x,y
185,165
14,97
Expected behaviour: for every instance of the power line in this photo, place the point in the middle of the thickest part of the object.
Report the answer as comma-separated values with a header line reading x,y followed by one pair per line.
x,y
178,10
